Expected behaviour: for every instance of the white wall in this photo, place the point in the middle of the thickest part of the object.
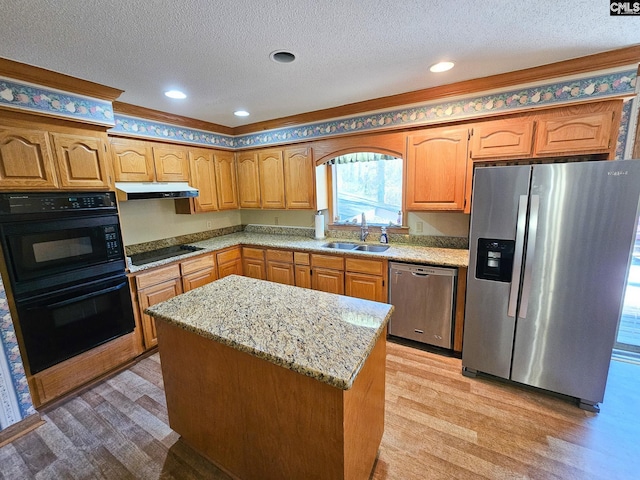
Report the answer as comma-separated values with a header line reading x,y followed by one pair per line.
x,y
149,220
448,224
292,218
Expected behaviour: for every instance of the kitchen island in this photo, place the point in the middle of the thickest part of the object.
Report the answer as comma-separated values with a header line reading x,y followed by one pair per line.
x,y
274,381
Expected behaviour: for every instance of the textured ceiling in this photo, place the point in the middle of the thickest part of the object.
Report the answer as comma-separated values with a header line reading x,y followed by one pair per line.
x,y
347,51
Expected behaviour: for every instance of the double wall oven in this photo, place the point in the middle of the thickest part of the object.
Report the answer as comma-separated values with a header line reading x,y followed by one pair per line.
x,y
64,258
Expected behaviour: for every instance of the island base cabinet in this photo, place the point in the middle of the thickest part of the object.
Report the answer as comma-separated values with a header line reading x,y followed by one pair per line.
x,y
257,420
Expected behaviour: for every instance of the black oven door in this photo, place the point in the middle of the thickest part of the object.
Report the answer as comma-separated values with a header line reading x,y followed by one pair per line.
x,y
42,254
62,324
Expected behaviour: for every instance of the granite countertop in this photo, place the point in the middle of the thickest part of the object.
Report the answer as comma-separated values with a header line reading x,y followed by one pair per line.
x,y
448,257
322,335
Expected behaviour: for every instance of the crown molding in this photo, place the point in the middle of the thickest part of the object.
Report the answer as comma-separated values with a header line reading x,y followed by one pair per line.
x,y
59,81
163,117
590,63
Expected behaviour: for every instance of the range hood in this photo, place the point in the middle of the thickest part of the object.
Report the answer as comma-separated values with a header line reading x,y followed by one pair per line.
x,y
143,190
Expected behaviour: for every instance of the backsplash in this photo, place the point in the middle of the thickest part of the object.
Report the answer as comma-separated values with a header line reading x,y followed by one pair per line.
x,y
190,238
281,230
436,241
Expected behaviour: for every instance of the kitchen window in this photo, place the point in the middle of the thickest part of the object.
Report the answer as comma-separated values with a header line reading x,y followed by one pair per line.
x,y
369,183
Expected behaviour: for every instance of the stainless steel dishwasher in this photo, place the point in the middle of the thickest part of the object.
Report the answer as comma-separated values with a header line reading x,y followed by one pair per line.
x,y
423,297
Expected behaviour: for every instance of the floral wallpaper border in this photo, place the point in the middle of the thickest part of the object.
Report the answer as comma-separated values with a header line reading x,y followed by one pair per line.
x,y
24,96
601,86
162,131
623,133
15,399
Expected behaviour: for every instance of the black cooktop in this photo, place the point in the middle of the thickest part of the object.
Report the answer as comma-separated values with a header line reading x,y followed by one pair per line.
x,y
162,253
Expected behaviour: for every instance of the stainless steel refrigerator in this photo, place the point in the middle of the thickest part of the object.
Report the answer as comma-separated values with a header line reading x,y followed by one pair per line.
x,y
550,247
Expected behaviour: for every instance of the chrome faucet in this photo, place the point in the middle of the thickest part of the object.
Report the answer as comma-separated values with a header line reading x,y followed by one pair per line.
x,y
364,229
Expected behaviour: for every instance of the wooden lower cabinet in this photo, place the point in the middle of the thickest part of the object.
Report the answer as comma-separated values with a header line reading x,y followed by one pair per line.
x,y
229,262
280,268
155,287
366,279
327,273
198,271
66,376
253,264
302,269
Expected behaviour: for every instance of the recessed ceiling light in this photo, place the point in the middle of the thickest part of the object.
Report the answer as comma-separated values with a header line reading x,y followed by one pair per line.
x,y
282,56
241,113
441,67
175,94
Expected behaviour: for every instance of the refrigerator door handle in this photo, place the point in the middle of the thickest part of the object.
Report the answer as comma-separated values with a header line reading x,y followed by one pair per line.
x,y
517,255
531,250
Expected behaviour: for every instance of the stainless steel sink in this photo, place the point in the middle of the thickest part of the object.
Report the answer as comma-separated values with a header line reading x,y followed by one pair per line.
x,y
340,245
372,248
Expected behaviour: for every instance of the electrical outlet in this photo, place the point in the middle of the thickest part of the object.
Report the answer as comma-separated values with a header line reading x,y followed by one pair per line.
x,y
276,220
209,225
419,227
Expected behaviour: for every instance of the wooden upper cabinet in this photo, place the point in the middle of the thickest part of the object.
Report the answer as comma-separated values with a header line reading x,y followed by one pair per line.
x,y
132,160
203,177
511,138
580,133
171,164
271,178
226,182
26,160
81,160
436,169
299,178
248,179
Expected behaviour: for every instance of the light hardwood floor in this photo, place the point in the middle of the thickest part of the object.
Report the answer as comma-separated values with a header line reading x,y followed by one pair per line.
x,y
439,425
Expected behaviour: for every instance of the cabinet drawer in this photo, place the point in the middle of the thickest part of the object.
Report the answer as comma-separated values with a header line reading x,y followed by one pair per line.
x,y
228,256
374,267
300,258
257,253
327,261
280,256
196,264
157,276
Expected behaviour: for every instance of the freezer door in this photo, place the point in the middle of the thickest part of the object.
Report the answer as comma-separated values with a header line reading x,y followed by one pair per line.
x,y
499,207
576,261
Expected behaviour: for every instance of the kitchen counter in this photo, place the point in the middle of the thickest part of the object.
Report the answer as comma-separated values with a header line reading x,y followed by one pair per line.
x,y
275,381
321,335
448,257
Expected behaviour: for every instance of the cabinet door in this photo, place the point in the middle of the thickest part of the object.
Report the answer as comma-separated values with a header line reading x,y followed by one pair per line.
x,y
171,164
303,276
203,177
502,139
331,281
299,178
198,279
229,262
360,285
81,160
281,272
226,183
587,133
436,169
271,178
233,267
150,296
248,180
132,160
26,160
253,263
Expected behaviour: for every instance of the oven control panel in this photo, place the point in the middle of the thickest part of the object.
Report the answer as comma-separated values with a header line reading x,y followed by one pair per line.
x,y
29,202
112,241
